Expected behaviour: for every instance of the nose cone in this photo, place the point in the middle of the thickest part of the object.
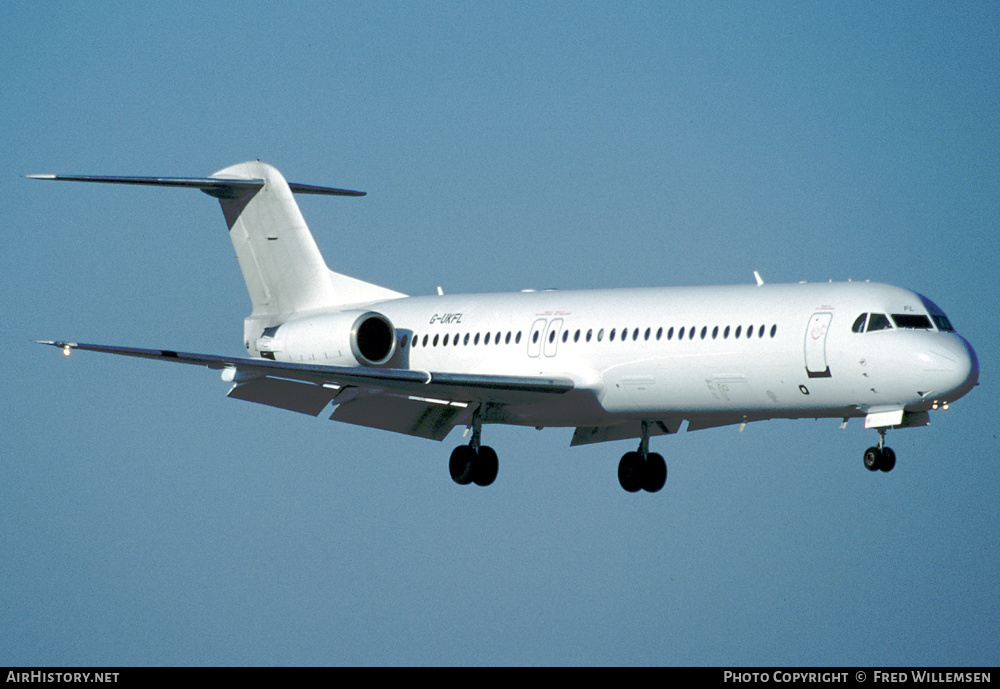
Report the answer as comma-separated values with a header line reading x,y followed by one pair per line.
x,y
955,367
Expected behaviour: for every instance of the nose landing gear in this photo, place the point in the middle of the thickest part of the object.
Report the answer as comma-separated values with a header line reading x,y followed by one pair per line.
x,y
881,457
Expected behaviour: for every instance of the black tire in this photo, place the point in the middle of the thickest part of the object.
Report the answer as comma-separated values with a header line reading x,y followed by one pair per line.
x,y
655,473
873,458
486,466
462,464
631,471
888,459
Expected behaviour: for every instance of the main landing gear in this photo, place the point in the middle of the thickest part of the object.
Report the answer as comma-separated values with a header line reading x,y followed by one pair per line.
x,y
471,465
475,462
881,457
642,469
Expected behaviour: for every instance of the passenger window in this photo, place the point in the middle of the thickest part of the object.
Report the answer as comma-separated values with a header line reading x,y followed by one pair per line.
x,y
517,338
878,321
600,334
715,332
590,332
760,332
670,333
774,329
659,334
486,340
680,334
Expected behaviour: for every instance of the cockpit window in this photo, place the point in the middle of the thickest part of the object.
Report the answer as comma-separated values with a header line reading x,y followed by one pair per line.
x,y
859,325
942,323
911,321
878,321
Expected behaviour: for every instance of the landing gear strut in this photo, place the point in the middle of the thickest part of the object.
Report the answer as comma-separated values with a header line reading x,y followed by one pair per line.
x,y
475,462
642,469
881,457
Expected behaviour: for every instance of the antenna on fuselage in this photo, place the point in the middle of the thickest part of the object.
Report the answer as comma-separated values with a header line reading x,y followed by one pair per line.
x,y
758,278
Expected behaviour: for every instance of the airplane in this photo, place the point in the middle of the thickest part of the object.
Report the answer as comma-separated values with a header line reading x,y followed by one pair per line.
x,y
614,364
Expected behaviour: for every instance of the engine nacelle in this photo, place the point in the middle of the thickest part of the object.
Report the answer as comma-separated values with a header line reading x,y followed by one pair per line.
x,y
348,338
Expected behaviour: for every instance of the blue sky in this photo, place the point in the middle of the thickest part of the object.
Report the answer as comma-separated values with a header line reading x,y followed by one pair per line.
x,y
149,520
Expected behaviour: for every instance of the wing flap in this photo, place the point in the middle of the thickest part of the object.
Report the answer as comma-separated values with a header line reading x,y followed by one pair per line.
x,y
585,435
424,419
304,398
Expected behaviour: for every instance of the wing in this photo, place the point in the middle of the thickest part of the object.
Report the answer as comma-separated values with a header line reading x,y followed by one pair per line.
x,y
414,402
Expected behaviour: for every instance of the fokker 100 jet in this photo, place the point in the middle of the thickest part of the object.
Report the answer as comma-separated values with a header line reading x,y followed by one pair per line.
x,y
614,364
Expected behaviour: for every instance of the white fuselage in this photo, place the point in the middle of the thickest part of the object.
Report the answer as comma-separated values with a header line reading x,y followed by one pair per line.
x,y
708,355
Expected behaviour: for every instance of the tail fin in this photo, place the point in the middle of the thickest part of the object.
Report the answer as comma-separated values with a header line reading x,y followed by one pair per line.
x,y
282,266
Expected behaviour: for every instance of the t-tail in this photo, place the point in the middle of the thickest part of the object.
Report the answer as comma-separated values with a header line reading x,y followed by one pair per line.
x,y
283,268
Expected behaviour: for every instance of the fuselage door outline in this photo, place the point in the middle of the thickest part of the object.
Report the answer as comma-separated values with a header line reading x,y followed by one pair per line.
x,y
815,345
535,337
552,337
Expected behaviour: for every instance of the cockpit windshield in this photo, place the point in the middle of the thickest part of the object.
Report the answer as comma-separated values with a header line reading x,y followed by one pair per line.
x,y
937,315
875,321
878,321
942,323
866,323
912,321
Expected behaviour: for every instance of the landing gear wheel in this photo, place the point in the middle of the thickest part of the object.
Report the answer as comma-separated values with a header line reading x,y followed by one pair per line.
x,y
873,458
484,469
655,473
631,471
888,460
462,464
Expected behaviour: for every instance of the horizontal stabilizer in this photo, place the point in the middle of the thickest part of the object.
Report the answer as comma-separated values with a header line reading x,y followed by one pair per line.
x,y
213,186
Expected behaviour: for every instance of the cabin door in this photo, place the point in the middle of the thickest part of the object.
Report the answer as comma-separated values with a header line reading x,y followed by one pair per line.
x,y
815,346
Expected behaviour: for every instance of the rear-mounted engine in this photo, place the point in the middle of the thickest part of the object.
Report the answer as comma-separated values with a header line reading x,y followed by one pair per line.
x,y
348,338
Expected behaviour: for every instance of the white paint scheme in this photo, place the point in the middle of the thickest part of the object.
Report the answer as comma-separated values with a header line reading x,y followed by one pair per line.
x,y
561,359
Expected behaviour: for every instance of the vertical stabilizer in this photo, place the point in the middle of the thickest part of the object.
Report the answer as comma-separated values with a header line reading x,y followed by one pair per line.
x,y
282,266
